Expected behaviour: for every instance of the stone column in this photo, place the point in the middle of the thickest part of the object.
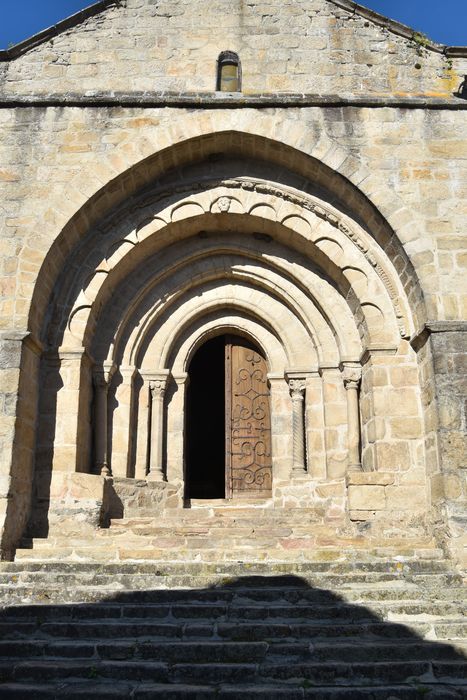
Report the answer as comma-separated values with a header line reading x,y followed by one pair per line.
x,y
101,377
157,386
297,392
352,377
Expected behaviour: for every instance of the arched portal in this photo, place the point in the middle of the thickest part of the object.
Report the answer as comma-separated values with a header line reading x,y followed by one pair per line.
x,y
228,421
283,251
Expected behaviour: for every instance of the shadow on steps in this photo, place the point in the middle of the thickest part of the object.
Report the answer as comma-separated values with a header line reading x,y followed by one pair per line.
x,y
248,637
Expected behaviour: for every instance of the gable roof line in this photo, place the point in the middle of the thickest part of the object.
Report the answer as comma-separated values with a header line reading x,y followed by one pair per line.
x,y
349,5
50,32
398,28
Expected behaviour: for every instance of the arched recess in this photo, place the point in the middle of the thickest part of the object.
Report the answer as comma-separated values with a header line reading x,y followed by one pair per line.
x,y
296,235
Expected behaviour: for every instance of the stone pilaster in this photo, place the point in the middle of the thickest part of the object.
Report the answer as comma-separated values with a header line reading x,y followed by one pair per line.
x,y
176,422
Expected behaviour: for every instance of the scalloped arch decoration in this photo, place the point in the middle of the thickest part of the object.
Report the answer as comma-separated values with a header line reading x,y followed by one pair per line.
x,y
269,200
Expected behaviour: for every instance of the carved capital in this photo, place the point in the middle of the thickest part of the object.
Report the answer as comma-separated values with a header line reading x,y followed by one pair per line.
x,y
157,388
297,389
352,377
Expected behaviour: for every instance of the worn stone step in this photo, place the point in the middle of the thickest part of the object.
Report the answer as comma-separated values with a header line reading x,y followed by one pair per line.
x,y
395,569
364,651
226,611
234,630
209,651
198,564
120,690
239,571
48,595
337,567
45,594
149,554
292,596
194,651
377,672
218,672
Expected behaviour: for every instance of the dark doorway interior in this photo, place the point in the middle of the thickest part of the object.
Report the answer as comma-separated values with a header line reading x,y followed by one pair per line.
x,y
205,428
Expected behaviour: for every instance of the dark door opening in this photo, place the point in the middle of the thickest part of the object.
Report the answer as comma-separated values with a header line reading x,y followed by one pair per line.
x,y
228,428
205,446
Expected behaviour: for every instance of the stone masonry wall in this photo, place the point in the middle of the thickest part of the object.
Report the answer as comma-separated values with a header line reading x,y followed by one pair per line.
x,y
284,45
409,161
449,347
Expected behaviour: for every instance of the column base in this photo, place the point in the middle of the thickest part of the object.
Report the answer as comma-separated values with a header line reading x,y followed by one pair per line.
x,y
155,476
299,472
357,467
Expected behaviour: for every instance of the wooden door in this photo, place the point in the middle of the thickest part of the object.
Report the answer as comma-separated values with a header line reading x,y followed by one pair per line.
x,y
247,421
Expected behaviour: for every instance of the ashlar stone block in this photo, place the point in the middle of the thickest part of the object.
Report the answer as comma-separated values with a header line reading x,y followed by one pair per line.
x,y
367,497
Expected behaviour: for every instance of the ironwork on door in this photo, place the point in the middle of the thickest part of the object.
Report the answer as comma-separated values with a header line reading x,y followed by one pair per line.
x,y
247,421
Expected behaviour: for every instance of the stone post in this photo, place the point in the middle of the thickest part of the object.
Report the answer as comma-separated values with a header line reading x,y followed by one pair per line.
x,y
123,430
352,377
176,421
157,386
297,392
101,377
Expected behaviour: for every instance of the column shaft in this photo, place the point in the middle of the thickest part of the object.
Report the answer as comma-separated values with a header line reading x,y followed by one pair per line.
x,y
297,389
100,426
351,383
156,468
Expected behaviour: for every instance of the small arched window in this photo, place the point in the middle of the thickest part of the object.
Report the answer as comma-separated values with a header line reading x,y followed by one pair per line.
x,y
229,72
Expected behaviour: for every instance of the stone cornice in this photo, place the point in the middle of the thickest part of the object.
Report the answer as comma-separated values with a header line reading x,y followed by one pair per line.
x,y
349,6
223,100
419,339
456,326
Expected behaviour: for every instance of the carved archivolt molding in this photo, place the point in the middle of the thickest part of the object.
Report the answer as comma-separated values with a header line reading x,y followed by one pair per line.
x,y
305,202
234,203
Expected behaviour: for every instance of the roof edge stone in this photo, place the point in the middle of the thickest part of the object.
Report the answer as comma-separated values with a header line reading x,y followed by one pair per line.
x,y
50,32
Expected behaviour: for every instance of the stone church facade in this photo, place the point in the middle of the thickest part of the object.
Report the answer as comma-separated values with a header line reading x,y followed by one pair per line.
x,y
233,265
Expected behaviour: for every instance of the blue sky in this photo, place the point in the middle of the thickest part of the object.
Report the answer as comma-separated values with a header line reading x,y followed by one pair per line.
x,y
445,22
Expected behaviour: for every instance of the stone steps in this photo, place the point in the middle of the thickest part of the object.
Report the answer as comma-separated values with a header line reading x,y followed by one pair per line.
x,y
230,601
226,532
214,629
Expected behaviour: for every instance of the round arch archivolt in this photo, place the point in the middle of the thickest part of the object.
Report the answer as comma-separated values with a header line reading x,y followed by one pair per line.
x,y
103,186
293,262
315,284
